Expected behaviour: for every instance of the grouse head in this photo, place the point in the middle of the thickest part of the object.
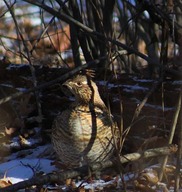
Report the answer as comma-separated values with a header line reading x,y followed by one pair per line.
x,y
84,89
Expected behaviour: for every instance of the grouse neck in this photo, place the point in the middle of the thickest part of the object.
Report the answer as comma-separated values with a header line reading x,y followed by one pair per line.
x,y
91,103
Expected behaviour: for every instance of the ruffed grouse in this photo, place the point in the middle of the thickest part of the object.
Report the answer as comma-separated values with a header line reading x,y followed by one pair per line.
x,y
82,134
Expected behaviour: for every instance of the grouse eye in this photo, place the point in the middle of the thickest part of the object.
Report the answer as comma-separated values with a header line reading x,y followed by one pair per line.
x,y
79,84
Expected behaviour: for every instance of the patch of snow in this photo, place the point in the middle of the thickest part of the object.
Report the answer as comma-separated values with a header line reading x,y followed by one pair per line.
x,y
14,143
6,85
21,89
105,83
177,83
157,107
133,88
15,66
127,88
38,152
100,184
96,184
32,141
143,80
23,169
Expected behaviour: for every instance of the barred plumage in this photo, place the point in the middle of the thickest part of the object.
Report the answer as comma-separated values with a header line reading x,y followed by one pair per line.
x,y
82,134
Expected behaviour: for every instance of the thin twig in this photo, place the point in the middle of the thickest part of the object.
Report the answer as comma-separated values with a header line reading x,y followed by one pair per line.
x,y
57,177
139,108
70,20
90,64
172,131
59,79
179,155
29,59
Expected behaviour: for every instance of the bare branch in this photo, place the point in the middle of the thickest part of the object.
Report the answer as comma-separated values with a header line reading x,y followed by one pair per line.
x,y
139,108
45,85
99,36
57,177
172,131
88,30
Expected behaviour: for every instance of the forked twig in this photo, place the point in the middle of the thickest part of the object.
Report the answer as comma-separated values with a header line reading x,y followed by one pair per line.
x,y
179,155
57,177
139,108
28,57
61,78
172,131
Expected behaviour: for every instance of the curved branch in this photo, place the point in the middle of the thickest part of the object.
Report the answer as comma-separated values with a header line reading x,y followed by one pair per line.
x,y
57,177
59,79
88,30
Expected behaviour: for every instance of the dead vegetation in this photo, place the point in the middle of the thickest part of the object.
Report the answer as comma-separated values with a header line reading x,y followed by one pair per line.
x,y
126,43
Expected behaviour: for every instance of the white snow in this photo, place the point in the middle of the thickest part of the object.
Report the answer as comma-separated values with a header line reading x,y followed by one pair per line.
x,y
23,169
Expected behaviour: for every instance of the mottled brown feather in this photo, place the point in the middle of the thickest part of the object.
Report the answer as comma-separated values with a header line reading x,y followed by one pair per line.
x,y
82,134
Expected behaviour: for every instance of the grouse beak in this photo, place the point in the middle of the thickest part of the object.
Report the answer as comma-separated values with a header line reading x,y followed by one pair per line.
x,y
67,88
68,84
